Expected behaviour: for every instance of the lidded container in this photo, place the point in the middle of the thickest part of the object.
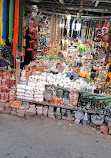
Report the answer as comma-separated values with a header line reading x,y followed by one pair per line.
x,y
73,97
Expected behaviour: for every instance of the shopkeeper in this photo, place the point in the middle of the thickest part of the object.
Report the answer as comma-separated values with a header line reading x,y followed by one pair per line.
x,y
6,57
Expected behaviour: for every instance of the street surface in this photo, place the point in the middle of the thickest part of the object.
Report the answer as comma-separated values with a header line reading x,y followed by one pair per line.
x,y
46,138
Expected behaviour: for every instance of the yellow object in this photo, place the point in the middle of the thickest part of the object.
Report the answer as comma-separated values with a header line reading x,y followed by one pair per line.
x,y
1,23
70,124
109,74
107,83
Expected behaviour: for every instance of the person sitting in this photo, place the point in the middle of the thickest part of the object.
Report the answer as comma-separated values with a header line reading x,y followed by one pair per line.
x,y
6,57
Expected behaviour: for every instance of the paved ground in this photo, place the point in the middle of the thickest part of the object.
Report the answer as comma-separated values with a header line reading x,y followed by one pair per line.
x,y
44,138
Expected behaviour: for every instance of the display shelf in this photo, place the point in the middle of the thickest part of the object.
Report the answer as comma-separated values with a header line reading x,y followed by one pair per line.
x,y
49,104
63,106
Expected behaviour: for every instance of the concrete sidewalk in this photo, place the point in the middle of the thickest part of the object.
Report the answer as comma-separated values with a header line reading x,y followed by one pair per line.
x,y
45,138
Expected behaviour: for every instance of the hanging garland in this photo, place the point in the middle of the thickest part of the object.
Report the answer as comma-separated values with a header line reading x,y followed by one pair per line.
x,y
1,23
16,28
20,26
4,19
11,14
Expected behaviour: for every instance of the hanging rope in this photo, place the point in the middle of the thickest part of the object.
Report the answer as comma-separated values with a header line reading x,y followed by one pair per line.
x,y
11,14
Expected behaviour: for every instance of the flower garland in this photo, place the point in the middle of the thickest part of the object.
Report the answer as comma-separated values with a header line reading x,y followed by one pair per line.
x,y
11,15
16,28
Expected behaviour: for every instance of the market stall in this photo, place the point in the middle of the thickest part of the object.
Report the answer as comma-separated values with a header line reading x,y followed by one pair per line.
x,y
62,65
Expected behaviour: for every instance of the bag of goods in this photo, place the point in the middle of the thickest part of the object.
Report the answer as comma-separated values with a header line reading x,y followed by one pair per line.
x,y
15,104
45,110
0,81
39,110
12,96
21,86
3,82
12,82
2,96
20,90
38,98
8,85
28,88
30,112
6,96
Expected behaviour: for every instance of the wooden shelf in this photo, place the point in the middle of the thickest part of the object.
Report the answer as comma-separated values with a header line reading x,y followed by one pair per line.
x,y
49,104
62,106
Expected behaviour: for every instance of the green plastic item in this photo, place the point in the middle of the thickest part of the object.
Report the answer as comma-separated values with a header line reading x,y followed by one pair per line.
x,y
100,97
64,89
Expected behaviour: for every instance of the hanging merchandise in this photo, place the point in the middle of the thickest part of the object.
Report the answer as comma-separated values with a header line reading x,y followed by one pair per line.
x,y
11,14
98,33
16,28
4,19
1,23
105,30
68,23
7,24
20,26
22,53
81,48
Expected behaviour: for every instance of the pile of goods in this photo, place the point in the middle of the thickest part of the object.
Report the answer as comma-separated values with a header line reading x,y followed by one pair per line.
x,y
7,86
44,87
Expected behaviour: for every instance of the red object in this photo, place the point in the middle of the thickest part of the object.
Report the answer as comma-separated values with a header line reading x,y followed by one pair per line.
x,y
74,91
8,83
4,90
108,79
0,81
23,42
104,129
29,49
7,96
12,83
24,32
58,100
54,100
81,2
7,90
3,82
1,75
44,51
99,25
4,74
16,28
74,72
22,54
2,96
105,24
0,89
34,53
